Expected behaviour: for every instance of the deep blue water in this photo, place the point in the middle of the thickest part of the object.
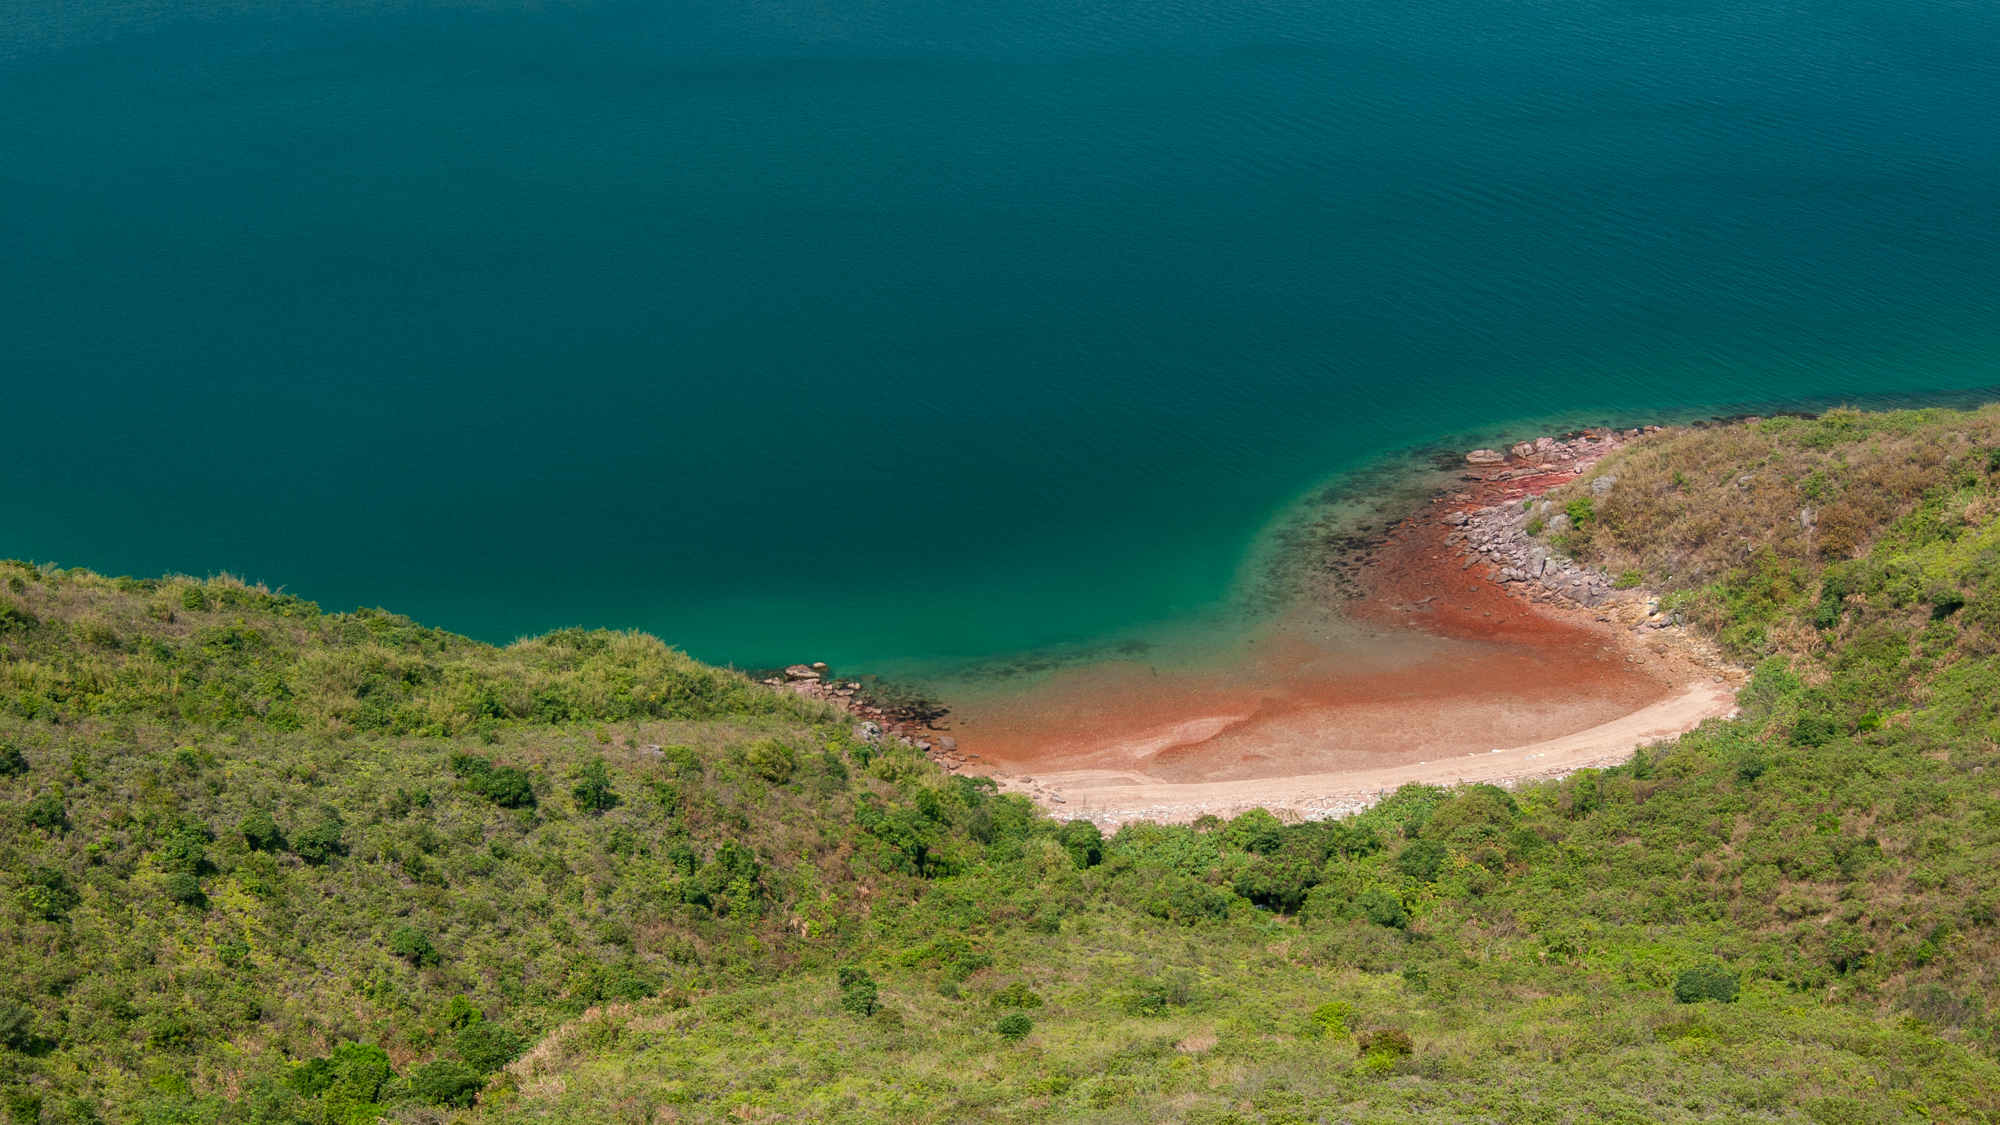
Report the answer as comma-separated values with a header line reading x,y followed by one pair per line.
x,y
901,330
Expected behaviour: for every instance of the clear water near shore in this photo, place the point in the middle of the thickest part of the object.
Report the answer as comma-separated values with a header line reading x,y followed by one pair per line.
x,y
928,335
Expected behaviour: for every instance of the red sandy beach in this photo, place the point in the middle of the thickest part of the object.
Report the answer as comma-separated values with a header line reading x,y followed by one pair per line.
x,y
1423,677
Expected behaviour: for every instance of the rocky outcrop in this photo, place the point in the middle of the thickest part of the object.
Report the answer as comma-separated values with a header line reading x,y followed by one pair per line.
x,y
1496,534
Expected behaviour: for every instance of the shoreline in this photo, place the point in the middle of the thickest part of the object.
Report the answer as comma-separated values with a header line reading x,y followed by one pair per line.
x,y
1445,646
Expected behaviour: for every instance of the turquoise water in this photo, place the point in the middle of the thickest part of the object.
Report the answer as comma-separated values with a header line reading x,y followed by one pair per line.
x,y
915,331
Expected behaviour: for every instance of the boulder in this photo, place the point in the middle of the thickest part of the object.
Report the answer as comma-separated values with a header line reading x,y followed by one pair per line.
x,y
1602,485
1484,457
1454,518
801,672
1525,449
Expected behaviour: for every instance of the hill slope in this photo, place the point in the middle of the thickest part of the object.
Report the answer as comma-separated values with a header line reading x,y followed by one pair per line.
x,y
268,864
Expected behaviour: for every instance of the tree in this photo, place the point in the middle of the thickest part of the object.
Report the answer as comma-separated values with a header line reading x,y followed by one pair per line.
x,y
771,760
321,842
445,1082
413,946
1423,860
260,831
857,991
593,788
1705,982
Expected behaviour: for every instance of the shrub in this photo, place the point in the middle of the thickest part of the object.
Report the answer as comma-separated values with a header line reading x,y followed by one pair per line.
x,y
508,787
185,888
48,812
413,946
445,1082
260,831
684,761
1705,982
1333,1018
186,849
771,760
1256,831
486,1047
321,842
592,791
1178,898
857,991
1389,1041
1382,907
458,1012
1156,997
1014,1026
1423,860
1083,841
1017,995
17,1024
47,894
12,761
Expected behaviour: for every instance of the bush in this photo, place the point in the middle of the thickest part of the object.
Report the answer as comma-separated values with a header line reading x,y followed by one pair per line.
x,y
1017,995
445,1082
17,1024
506,786
593,788
771,760
413,946
1083,841
857,991
260,831
1014,1026
185,888
321,842
186,848
47,894
1390,1041
48,812
1423,860
486,1047
1256,831
509,787
12,761
1383,908
1178,898
1705,982
1333,1018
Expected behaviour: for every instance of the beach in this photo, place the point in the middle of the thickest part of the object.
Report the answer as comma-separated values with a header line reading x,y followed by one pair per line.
x,y
1421,653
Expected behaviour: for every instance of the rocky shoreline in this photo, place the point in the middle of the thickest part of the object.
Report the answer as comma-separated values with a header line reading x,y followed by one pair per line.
x,y
915,723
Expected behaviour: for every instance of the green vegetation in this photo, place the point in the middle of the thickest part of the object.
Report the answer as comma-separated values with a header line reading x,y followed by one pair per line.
x,y
264,864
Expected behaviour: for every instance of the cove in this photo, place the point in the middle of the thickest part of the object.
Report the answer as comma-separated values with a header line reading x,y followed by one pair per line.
x,y
919,335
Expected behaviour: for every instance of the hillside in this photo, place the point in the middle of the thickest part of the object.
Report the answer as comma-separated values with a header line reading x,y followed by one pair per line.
x,y
269,864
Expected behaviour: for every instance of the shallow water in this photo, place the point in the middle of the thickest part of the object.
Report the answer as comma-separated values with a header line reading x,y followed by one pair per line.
x,y
919,335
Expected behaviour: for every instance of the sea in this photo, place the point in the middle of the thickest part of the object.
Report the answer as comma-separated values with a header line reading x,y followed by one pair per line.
x,y
920,335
